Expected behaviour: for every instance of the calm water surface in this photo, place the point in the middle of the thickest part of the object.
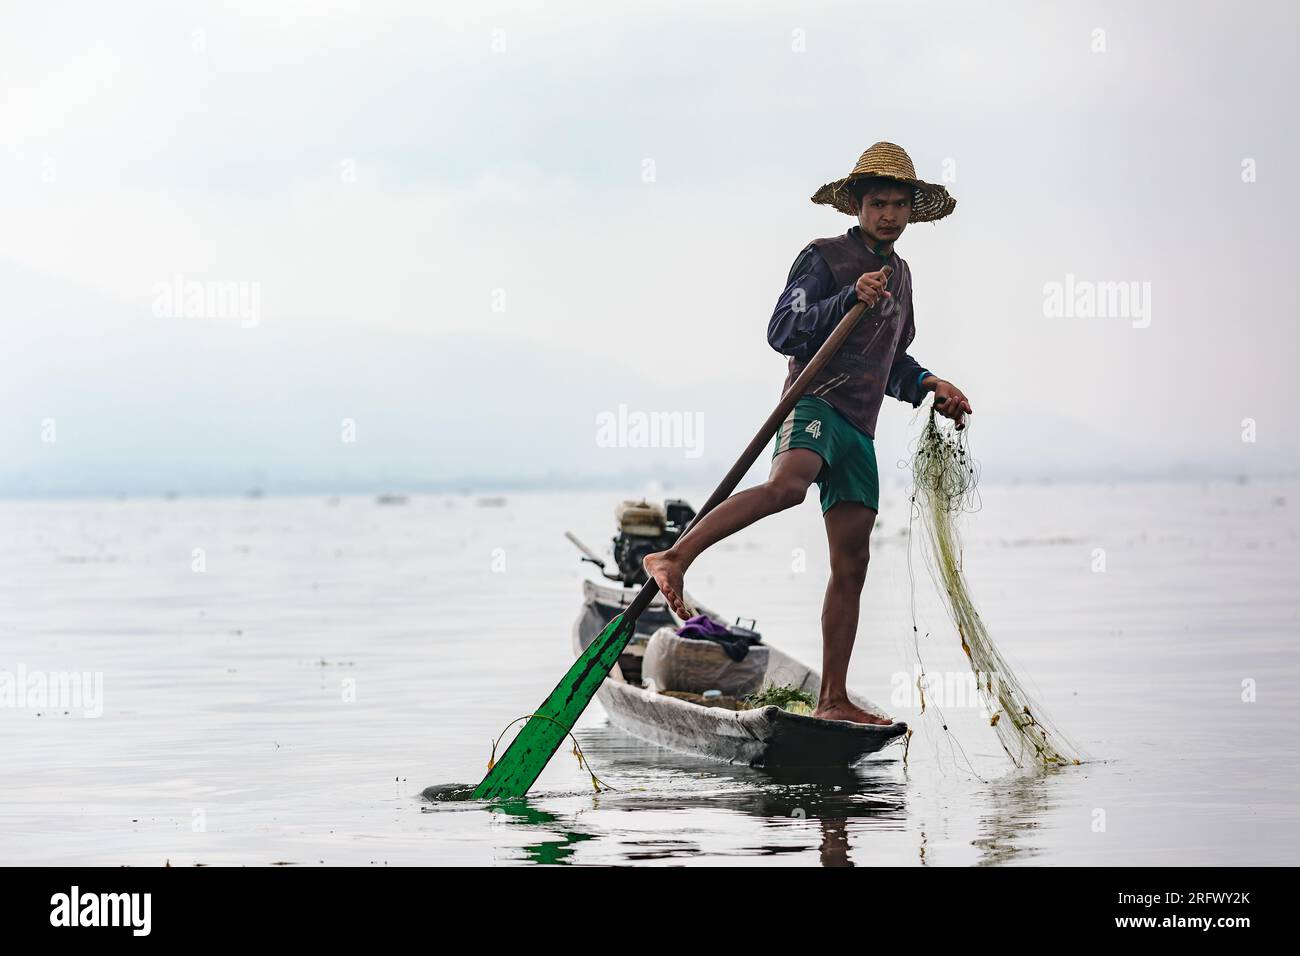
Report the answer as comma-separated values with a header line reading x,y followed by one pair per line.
x,y
289,702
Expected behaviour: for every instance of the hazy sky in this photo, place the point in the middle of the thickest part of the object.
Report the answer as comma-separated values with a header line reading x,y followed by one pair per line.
x,y
471,229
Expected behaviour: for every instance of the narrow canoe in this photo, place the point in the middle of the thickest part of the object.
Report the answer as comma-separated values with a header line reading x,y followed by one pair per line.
x,y
764,736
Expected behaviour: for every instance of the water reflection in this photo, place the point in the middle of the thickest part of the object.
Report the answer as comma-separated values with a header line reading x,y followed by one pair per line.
x,y
1016,803
823,809
553,851
843,815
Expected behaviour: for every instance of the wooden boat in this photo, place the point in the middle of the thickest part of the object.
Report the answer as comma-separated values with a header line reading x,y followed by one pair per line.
x,y
763,736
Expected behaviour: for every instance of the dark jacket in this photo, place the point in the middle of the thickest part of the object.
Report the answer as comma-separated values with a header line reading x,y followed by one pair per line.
x,y
868,366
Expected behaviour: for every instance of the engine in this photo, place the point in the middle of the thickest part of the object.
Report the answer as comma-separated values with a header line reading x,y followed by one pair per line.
x,y
644,528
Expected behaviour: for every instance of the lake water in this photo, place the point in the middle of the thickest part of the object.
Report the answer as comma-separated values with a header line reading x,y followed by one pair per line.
x,y
282,677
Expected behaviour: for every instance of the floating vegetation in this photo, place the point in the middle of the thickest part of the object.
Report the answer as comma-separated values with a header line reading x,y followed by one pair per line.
x,y
786,696
944,480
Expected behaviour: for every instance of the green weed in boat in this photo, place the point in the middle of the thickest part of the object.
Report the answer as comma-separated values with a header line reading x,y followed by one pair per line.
x,y
786,696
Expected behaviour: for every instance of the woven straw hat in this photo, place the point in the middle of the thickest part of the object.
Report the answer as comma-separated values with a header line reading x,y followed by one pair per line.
x,y
931,202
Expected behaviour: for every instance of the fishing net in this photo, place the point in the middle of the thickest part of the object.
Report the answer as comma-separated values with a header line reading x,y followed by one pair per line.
x,y
944,483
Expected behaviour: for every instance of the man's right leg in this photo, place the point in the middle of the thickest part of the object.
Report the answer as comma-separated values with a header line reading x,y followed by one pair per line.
x,y
786,486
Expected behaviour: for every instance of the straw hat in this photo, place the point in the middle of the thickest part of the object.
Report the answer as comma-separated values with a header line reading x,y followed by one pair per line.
x,y
931,202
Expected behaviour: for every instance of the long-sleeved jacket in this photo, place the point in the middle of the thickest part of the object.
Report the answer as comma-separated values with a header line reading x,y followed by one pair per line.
x,y
814,301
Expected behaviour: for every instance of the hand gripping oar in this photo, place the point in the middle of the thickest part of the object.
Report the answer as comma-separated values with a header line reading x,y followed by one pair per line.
x,y
537,741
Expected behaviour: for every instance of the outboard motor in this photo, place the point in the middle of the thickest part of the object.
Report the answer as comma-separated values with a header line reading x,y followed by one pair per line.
x,y
644,528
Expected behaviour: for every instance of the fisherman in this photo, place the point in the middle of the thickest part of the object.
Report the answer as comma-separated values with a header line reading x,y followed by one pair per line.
x,y
828,438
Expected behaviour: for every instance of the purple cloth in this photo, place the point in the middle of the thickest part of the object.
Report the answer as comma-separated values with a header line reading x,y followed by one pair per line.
x,y
704,627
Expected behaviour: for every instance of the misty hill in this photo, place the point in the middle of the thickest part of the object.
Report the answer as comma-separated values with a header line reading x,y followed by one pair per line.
x,y
144,405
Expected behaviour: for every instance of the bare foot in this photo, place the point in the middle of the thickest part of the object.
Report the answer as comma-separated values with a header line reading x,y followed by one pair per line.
x,y
843,710
671,578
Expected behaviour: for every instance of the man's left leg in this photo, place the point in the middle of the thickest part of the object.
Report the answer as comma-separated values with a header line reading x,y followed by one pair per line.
x,y
848,532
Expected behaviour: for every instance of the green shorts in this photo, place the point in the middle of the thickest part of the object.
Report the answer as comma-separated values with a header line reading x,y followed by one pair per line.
x,y
848,455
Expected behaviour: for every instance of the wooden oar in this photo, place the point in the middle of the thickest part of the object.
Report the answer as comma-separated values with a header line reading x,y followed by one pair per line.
x,y
541,736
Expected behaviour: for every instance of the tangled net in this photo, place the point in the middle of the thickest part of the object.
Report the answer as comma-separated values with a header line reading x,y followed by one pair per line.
x,y
944,480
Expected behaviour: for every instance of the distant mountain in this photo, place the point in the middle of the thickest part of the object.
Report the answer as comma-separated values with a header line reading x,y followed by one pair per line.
x,y
141,404
144,405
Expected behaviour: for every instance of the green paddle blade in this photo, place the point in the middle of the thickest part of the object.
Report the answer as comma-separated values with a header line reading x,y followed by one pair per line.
x,y
528,754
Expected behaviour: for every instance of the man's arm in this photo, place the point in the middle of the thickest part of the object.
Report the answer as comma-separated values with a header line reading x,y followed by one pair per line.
x,y
809,308
908,381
